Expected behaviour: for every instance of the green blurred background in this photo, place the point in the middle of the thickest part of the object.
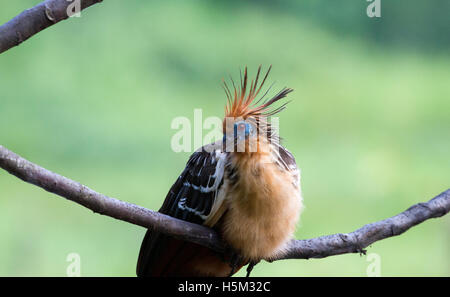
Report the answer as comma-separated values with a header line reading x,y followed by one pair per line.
x,y
92,98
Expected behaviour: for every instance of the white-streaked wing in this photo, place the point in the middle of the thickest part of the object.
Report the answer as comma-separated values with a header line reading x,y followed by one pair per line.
x,y
286,161
194,196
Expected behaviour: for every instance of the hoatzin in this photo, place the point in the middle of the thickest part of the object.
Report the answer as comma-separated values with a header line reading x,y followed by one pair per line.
x,y
246,187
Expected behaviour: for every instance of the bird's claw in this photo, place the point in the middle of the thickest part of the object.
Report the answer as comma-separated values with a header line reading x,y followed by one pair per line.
x,y
250,267
235,261
233,258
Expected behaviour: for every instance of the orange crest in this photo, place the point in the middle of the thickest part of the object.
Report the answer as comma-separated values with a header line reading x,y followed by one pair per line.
x,y
243,104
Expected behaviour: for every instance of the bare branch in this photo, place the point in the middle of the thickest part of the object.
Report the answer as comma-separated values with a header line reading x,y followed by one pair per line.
x,y
36,19
319,247
105,205
356,241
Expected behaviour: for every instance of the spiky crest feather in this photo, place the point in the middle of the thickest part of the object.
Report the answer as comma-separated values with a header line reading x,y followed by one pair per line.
x,y
243,104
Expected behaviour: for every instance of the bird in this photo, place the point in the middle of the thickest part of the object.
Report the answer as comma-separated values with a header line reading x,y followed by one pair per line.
x,y
245,186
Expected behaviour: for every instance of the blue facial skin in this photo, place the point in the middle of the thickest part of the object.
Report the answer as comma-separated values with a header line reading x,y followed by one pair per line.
x,y
238,135
247,128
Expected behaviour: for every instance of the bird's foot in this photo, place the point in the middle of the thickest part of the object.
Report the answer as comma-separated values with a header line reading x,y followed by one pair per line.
x,y
234,258
250,267
235,263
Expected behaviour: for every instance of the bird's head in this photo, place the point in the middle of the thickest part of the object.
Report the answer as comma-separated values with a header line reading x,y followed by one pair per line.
x,y
246,125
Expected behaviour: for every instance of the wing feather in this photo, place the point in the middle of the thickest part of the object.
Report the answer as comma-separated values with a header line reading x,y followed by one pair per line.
x,y
194,197
287,161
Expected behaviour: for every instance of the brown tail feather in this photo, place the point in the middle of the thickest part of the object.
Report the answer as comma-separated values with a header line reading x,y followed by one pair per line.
x,y
162,255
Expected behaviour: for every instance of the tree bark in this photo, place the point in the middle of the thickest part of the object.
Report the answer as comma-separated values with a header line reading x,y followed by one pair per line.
x,y
320,247
36,19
